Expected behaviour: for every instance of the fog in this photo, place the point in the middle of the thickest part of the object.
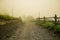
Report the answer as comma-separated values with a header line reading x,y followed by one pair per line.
x,y
30,7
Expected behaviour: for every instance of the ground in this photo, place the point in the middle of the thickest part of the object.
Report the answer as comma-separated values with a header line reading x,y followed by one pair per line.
x,y
30,31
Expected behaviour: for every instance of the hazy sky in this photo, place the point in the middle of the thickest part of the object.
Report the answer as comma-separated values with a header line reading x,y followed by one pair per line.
x,y
31,7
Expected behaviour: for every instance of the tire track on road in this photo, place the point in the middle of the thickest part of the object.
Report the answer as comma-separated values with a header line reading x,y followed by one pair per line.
x,y
30,31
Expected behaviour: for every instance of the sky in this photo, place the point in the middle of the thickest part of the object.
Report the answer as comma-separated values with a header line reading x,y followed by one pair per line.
x,y
30,7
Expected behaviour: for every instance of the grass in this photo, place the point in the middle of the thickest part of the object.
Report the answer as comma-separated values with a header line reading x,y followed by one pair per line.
x,y
5,17
49,25
57,28
8,29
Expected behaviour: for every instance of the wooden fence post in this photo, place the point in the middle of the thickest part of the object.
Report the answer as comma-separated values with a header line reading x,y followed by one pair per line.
x,y
44,19
55,18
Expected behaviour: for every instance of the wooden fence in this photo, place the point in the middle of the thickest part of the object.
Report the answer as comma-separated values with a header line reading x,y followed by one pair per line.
x,y
56,19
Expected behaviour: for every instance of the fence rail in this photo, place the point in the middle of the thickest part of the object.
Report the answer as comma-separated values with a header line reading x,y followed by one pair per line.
x,y
56,19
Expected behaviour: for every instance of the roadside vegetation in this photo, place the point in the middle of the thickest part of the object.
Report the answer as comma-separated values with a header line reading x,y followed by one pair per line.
x,y
5,17
51,25
8,26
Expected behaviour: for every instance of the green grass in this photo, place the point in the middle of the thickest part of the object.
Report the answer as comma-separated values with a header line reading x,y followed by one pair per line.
x,y
5,17
57,28
45,24
49,25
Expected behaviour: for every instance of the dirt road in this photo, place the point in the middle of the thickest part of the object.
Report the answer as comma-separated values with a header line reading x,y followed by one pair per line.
x,y
30,31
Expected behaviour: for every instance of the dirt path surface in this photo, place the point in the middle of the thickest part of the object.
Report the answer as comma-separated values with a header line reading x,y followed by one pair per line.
x,y
30,31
